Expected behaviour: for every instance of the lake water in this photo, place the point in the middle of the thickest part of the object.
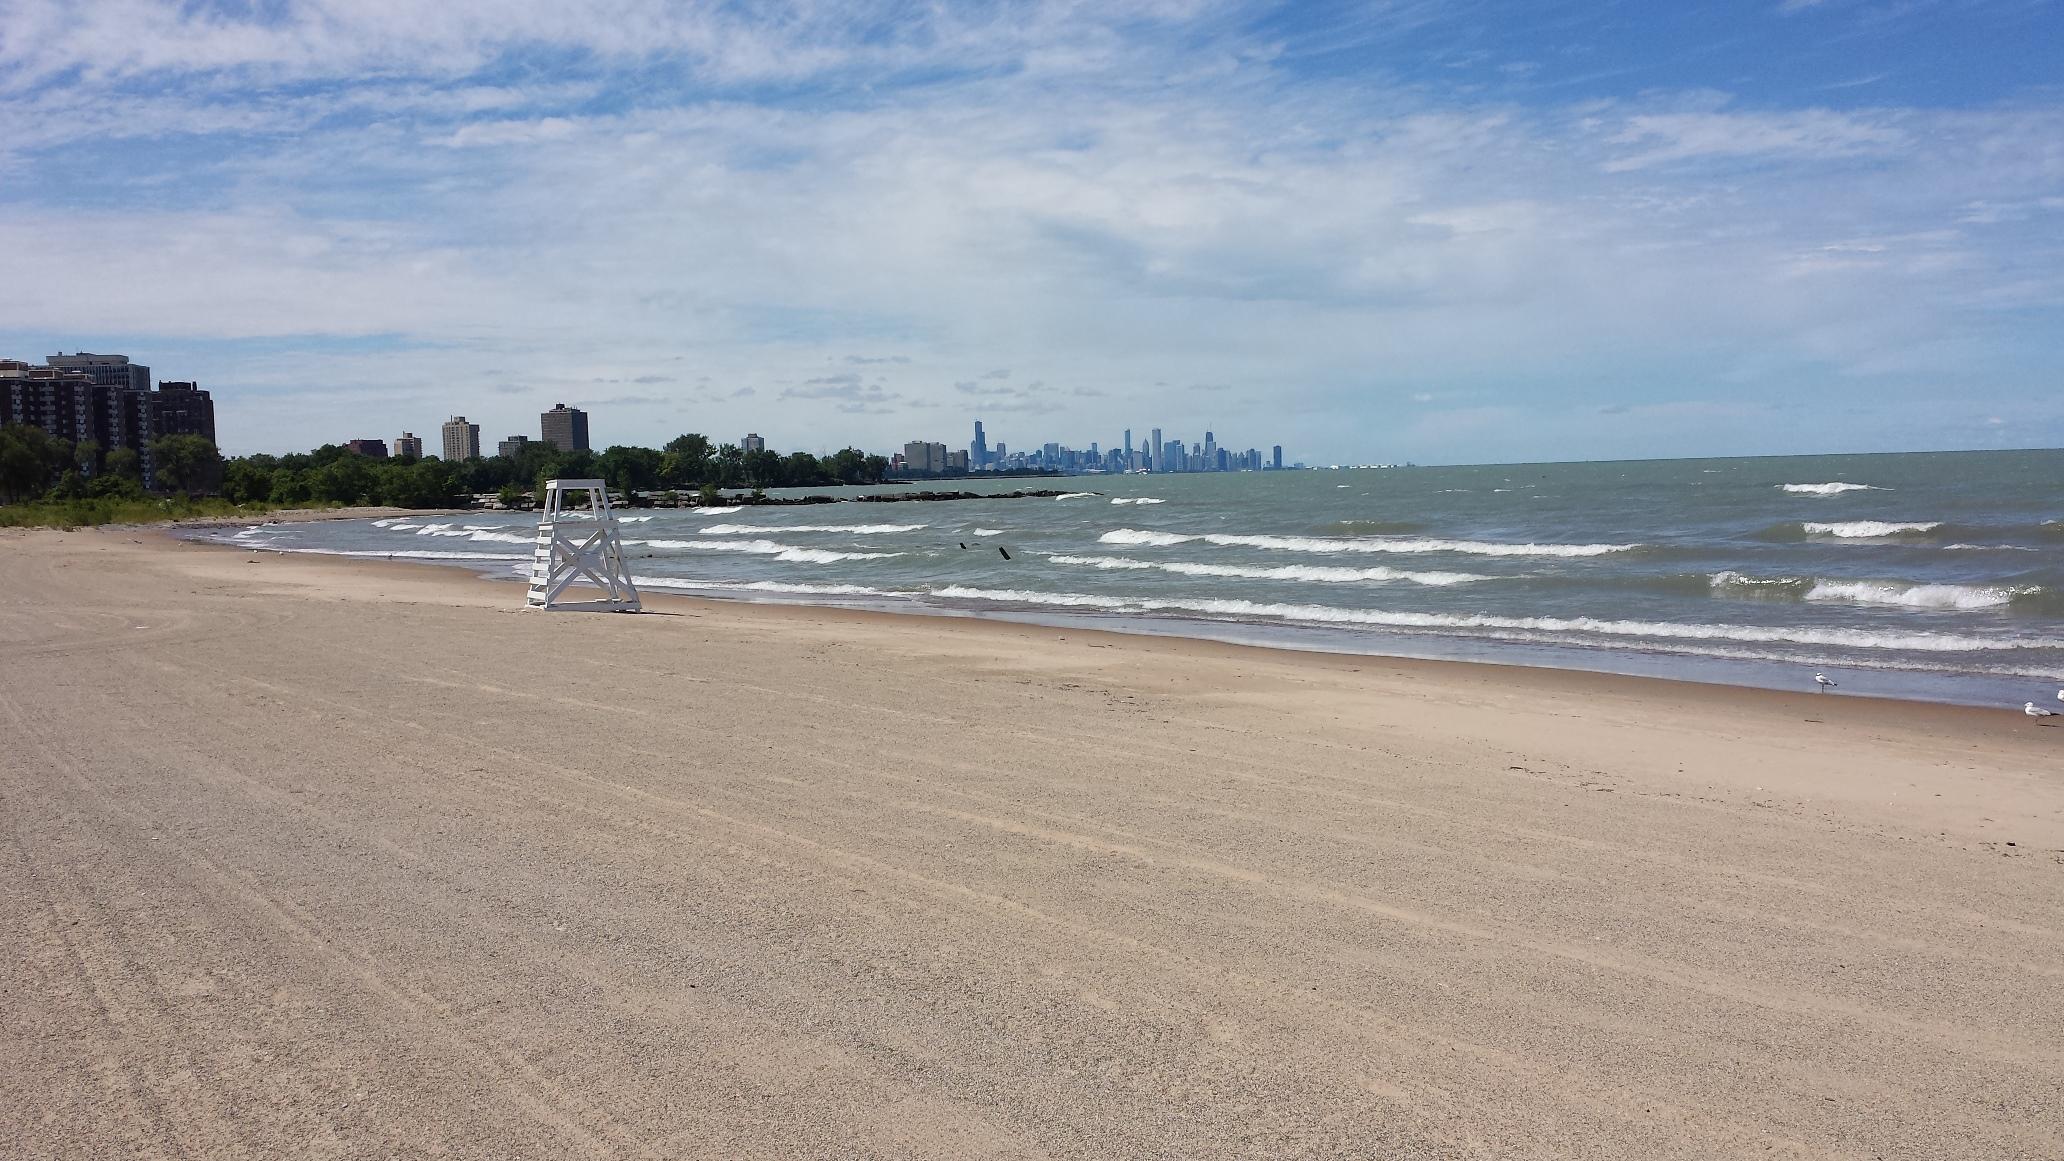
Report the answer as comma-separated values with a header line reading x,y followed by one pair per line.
x,y
1936,576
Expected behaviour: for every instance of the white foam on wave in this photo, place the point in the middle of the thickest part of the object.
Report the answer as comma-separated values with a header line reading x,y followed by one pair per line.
x,y
1335,544
1137,500
1988,548
1290,572
988,532
1868,529
793,553
760,529
795,587
1833,488
1073,495
1902,595
1592,626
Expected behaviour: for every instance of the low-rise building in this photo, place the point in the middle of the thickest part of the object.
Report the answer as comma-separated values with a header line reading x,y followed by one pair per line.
x,y
409,446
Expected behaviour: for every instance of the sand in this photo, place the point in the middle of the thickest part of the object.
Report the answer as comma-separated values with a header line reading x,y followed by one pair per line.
x,y
321,858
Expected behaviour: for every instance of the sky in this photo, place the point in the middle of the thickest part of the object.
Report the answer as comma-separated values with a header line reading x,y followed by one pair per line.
x,y
1370,232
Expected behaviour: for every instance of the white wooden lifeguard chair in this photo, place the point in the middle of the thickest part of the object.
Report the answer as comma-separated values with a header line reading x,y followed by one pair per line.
x,y
579,543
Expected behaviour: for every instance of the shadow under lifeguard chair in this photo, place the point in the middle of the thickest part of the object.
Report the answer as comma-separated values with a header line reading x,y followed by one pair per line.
x,y
579,543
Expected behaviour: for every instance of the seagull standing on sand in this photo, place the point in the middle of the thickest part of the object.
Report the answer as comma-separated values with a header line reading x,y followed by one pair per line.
x,y
1820,679
2035,711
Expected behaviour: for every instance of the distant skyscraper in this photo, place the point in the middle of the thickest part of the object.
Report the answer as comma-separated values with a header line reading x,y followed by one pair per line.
x,y
752,442
978,451
565,428
512,446
409,445
1128,447
1278,453
461,440
1159,465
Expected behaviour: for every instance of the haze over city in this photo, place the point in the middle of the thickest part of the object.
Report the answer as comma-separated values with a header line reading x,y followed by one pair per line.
x,y
1448,233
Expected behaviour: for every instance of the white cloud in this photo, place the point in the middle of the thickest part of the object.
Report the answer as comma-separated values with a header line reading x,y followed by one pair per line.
x,y
1311,247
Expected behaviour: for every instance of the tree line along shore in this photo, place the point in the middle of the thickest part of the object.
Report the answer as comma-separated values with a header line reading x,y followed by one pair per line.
x,y
49,482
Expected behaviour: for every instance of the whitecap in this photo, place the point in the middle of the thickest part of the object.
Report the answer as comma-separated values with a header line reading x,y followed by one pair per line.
x,y
1834,488
1290,572
1654,630
792,553
1903,595
1137,500
1869,529
988,532
1330,545
857,529
1073,495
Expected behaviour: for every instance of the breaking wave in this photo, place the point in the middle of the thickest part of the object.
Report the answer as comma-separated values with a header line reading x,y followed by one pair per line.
x,y
988,532
1835,488
1883,593
795,587
1290,572
1073,495
1336,544
1870,529
856,529
1137,500
1924,642
795,554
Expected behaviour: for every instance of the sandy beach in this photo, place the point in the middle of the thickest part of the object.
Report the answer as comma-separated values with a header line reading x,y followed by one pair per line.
x,y
312,857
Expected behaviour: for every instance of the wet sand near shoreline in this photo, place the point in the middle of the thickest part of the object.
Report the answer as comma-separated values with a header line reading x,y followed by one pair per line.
x,y
324,857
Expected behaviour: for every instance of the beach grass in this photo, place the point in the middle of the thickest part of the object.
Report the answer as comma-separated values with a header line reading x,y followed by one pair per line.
x,y
91,513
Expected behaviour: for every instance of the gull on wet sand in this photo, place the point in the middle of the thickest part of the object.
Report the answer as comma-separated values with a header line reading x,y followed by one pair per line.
x,y
2035,711
1821,680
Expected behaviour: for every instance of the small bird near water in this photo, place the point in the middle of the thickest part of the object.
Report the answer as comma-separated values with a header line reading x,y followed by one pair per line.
x,y
1821,680
2035,711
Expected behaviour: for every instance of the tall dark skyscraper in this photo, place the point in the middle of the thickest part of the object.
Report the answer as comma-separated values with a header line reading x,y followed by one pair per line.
x,y
1155,446
978,451
565,428
1278,454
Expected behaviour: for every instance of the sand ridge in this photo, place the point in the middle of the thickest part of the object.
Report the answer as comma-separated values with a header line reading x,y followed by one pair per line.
x,y
343,858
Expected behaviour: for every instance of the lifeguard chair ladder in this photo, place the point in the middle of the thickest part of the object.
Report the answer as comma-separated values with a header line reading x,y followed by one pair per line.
x,y
576,543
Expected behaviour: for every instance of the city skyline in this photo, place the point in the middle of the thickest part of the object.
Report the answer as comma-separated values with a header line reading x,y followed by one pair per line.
x,y
1442,232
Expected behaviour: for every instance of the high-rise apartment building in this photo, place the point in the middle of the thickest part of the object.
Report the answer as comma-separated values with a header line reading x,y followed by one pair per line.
x,y
922,458
461,440
752,442
1277,457
408,445
565,428
182,408
105,400
512,446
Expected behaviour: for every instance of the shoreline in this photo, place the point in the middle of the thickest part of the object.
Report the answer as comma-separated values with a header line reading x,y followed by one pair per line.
x,y
1531,677
1908,687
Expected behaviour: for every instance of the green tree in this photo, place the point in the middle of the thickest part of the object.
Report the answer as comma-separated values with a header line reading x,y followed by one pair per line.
x,y
346,479
30,460
187,463
125,463
247,480
728,466
631,468
685,459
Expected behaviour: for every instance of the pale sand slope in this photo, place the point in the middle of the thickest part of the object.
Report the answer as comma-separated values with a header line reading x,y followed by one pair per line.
x,y
312,858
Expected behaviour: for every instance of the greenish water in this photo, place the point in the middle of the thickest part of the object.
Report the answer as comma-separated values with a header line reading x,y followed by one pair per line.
x,y
1926,575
